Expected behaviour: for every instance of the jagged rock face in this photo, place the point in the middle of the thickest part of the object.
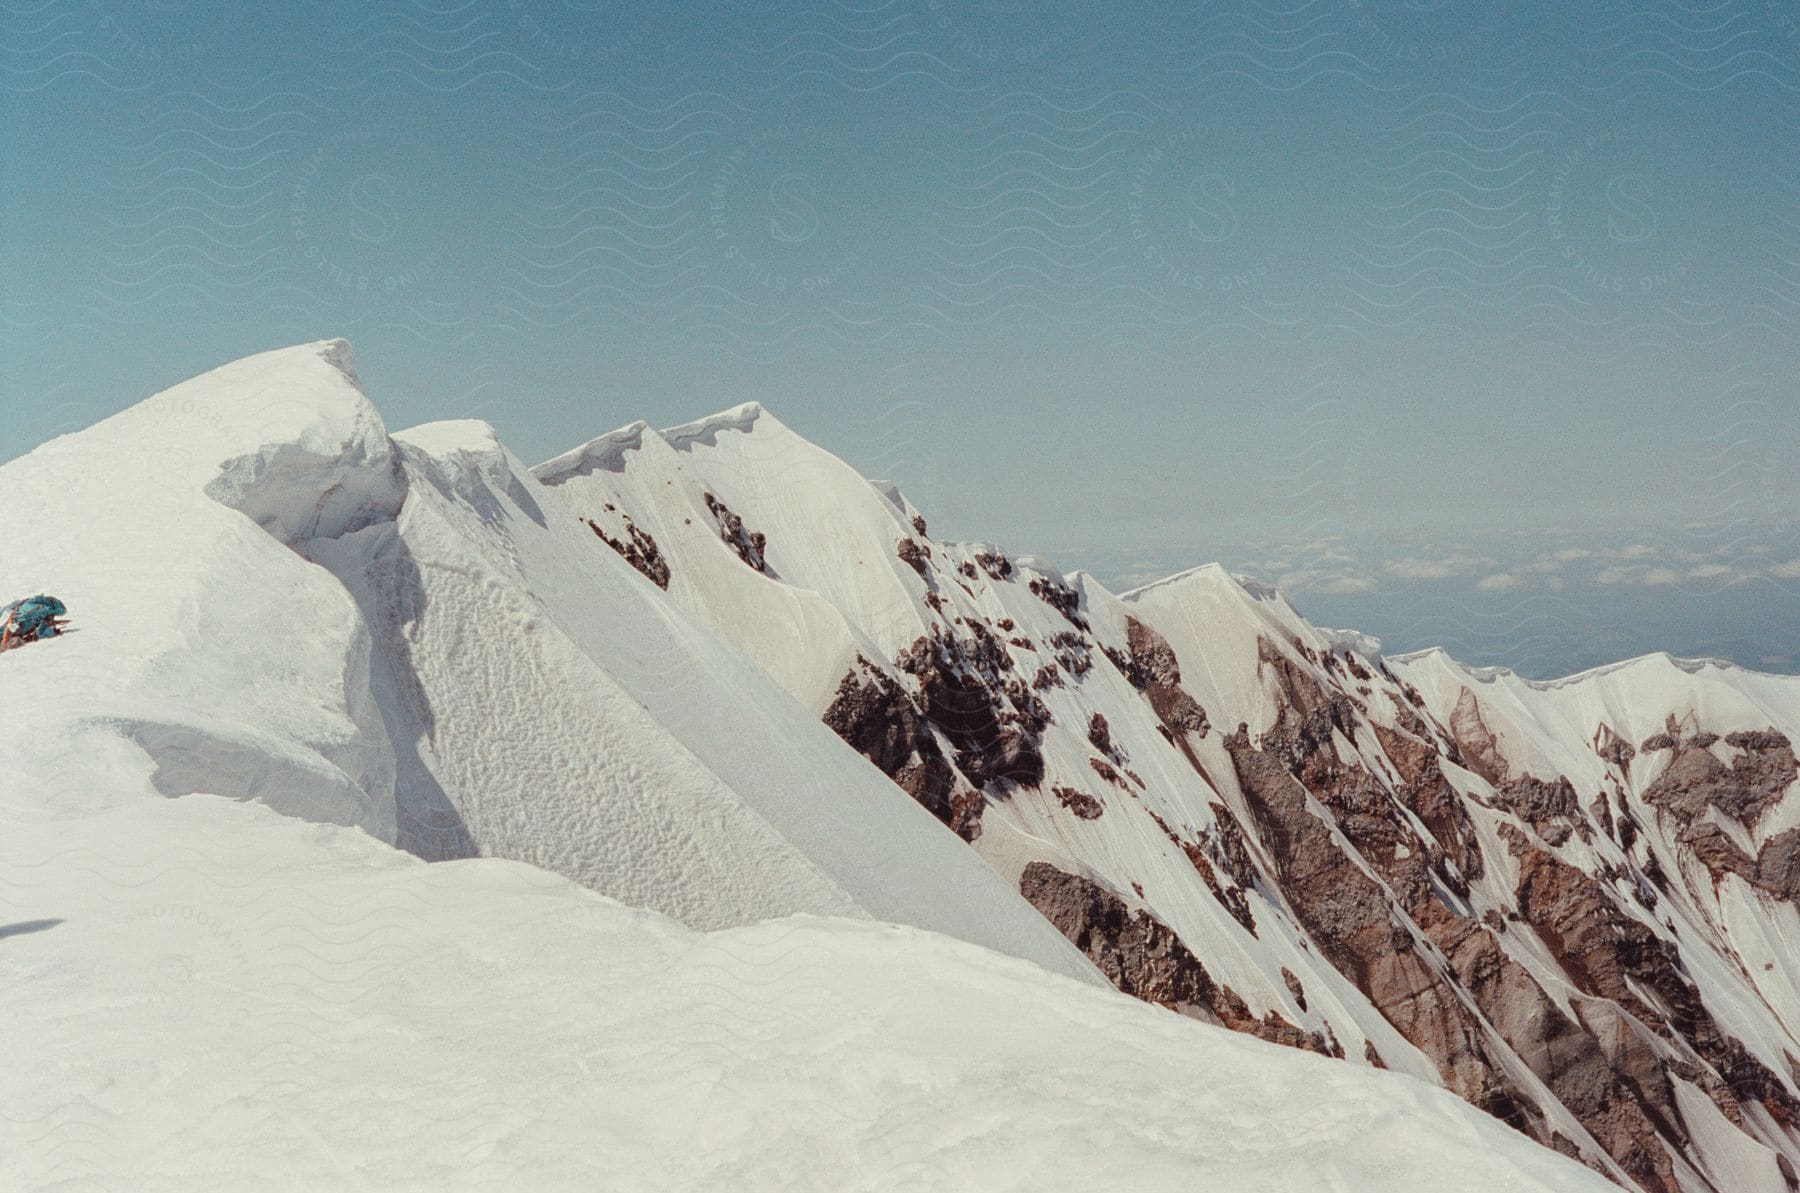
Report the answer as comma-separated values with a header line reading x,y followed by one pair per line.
x,y
990,717
1396,862
1478,748
1364,934
1079,802
1550,808
1696,780
638,549
1061,597
874,715
916,556
1150,653
748,544
1145,959
1620,1093
1778,866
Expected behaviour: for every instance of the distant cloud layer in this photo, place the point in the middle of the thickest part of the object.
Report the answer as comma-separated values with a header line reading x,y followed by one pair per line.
x,y
1546,604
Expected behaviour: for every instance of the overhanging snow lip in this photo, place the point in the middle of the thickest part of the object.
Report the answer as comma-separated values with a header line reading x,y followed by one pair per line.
x,y
742,417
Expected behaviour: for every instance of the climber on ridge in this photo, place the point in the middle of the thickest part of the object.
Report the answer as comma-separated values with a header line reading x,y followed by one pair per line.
x,y
31,619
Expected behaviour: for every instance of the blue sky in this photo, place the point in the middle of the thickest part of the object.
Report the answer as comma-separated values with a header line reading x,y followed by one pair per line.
x,y
1106,281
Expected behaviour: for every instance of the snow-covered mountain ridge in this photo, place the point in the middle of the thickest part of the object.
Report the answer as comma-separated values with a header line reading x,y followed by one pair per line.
x,y
650,666
1571,903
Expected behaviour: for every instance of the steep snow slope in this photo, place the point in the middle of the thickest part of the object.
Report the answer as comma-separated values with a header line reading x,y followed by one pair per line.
x,y
202,995
411,640
652,667
1261,823
413,636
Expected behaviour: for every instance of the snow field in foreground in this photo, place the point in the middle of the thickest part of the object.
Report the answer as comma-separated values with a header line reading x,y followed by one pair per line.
x,y
201,994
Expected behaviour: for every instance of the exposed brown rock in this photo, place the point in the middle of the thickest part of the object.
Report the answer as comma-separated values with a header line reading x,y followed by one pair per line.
x,y
1599,945
1610,746
992,719
1232,899
1060,597
1125,665
1475,742
641,552
1715,849
1408,751
1144,958
748,544
1601,811
1755,781
1550,808
996,565
1622,1104
965,814
1100,734
1778,865
1611,954
875,716
1106,771
1365,937
1137,952
1435,802
1073,654
915,556
1152,655
1294,987
1078,802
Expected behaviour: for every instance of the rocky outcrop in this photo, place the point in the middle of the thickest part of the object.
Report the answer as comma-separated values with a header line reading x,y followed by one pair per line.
x,y
1060,597
992,719
996,565
1610,746
638,549
1078,802
1613,1095
1476,744
1763,770
747,544
1601,1066
1549,807
1613,955
877,718
1144,958
1100,733
916,556
1778,866
1153,658
1366,937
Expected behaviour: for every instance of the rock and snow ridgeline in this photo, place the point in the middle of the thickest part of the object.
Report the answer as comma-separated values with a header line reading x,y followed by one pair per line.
x,y
1520,891
651,665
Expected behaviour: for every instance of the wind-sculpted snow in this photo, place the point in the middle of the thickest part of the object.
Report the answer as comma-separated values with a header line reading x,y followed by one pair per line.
x,y
277,601
201,995
1498,886
716,674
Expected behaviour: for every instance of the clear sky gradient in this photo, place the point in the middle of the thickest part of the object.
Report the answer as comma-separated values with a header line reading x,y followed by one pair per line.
x,y
1120,283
